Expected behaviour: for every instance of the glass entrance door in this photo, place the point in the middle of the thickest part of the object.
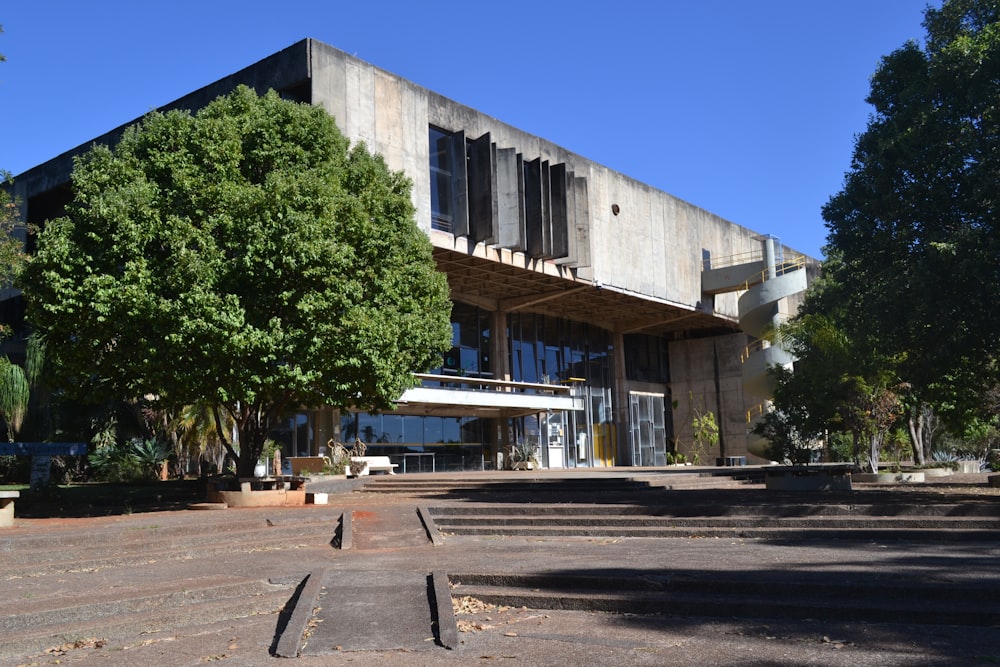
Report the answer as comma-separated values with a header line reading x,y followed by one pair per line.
x,y
648,429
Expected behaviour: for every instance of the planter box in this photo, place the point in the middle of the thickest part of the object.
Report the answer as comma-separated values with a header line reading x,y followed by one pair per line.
x,y
937,472
267,498
968,466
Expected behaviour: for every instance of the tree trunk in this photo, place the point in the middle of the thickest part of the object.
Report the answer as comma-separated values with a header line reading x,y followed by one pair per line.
x,y
252,439
874,452
915,426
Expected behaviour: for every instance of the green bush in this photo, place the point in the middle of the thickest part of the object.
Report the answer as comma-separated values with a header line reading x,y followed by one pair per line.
x,y
136,460
15,469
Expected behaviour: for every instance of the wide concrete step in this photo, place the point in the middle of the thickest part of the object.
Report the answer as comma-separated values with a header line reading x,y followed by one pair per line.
x,y
698,511
598,520
29,628
447,523
777,534
554,490
728,595
26,554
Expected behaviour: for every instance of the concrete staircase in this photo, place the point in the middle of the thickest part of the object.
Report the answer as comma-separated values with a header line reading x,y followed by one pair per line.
x,y
664,521
870,598
666,506
571,487
765,280
64,587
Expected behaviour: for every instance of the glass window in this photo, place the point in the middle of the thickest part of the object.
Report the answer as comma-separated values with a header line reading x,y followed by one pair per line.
x,y
441,182
646,359
369,427
413,430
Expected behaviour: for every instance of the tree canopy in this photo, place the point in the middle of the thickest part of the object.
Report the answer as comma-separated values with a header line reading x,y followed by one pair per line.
x,y
914,234
246,256
903,321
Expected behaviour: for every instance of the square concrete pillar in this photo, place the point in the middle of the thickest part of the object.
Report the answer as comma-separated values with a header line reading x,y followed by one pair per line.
x,y
7,507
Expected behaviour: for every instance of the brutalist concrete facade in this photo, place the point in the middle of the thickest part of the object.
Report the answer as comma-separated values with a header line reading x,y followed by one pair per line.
x,y
540,230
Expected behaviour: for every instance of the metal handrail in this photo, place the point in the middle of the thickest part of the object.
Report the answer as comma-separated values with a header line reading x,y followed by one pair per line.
x,y
756,411
499,385
794,264
732,260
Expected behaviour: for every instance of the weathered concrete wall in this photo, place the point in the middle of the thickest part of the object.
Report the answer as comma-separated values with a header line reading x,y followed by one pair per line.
x,y
706,376
661,236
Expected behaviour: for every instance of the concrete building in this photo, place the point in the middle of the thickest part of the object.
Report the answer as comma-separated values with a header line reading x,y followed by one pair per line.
x,y
583,332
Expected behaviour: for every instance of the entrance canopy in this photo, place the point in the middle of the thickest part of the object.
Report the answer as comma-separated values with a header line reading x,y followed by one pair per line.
x,y
450,396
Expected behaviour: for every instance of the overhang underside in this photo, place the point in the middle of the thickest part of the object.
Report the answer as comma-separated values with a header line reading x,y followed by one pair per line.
x,y
512,283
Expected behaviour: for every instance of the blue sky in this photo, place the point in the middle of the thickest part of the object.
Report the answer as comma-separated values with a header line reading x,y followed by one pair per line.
x,y
746,109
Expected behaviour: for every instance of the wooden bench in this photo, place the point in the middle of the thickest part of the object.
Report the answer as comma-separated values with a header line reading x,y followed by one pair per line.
x,y
7,507
375,464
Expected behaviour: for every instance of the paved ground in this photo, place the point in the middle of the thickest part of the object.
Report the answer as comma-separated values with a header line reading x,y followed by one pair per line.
x,y
96,563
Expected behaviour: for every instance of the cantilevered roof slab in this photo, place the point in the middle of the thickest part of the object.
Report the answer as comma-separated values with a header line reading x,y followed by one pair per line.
x,y
481,397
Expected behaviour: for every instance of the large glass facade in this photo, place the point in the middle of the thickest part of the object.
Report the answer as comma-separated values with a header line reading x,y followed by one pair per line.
x,y
542,349
470,336
550,349
557,351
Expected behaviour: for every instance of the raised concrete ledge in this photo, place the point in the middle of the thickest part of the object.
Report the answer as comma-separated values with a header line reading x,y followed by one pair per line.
x,y
905,477
808,478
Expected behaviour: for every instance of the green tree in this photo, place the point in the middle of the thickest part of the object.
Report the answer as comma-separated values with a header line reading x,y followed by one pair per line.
x,y
12,232
838,384
914,235
245,256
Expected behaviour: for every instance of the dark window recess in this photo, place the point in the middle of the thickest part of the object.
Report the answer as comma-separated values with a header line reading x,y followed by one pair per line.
x,y
449,187
646,359
300,92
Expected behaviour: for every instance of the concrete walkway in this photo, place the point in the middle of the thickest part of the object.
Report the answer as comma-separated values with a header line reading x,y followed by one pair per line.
x,y
190,588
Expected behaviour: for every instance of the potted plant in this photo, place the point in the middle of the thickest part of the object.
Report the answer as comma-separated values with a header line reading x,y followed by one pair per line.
x,y
523,457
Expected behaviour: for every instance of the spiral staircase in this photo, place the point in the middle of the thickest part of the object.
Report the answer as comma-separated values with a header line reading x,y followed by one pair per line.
x,y
765,277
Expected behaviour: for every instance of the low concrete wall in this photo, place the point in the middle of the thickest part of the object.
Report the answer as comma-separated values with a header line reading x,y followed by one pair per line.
x,y
269,498
889,477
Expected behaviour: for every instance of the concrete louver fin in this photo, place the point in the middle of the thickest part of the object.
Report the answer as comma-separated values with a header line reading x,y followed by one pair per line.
x,y
577,222
510,200
579,249
536,207
459,184
558,187
483,190
528,206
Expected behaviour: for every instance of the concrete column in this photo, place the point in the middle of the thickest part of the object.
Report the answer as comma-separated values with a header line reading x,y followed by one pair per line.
x,y
770,257
499,354
500,363
623,418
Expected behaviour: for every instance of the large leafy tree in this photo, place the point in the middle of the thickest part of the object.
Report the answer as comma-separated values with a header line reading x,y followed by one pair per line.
x,y
245,256
915,231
